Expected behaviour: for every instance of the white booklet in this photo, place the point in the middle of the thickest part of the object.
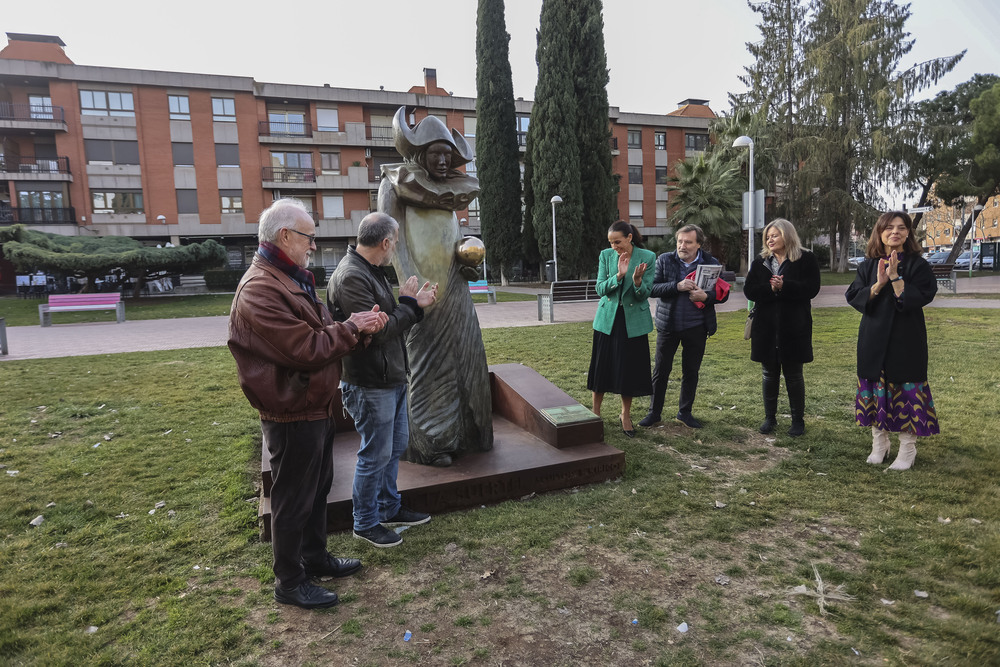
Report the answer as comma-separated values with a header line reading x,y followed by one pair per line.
x,y
707,275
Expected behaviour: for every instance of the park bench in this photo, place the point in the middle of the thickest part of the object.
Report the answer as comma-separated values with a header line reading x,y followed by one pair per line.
x,y
481,287
565,291
945,275
64,303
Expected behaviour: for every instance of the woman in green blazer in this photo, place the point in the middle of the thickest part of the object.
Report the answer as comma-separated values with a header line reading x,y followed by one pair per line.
x,y
619,361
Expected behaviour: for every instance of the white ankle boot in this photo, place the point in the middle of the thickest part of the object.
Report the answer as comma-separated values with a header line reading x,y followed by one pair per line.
x,y
907,452
880,445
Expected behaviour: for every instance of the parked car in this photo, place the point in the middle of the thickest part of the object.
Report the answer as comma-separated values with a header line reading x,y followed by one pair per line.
x,y
853,262
963,261
939,257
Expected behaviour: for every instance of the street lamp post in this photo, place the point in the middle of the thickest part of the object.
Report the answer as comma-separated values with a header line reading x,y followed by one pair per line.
x,y
556,199
739,143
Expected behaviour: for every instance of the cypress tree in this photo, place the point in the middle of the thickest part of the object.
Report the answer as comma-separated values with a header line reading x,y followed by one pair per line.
x,y
496,140
597,180
552,142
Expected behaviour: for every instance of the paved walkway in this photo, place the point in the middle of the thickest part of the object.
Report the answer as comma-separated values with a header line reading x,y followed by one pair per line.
x,y
70,340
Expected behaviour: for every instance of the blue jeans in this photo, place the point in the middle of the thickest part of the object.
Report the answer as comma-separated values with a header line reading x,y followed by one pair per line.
x,y
380,418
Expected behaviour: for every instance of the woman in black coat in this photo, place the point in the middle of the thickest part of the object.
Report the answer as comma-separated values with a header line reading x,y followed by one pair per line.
x,y
781,283
891,288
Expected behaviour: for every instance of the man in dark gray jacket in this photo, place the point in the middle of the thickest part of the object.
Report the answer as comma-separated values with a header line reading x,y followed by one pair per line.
x,y
374,379
681,322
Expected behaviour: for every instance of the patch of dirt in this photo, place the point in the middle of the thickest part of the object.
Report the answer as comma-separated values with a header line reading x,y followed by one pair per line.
x,y
572,605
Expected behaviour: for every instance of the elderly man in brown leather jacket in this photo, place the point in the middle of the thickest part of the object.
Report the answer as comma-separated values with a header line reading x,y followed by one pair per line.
x,y
288,348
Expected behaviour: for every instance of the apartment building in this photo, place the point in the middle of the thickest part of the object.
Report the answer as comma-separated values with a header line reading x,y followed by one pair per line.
x,y
179,157
943,223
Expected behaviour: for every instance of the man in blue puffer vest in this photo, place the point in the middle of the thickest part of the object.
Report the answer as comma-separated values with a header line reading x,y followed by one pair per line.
x,y
679,322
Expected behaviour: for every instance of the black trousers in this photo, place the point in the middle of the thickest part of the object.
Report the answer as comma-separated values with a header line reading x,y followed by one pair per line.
x,y
301,455
692,342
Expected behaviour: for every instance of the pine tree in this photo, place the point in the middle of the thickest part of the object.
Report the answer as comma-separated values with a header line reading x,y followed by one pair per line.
x,y
552,144
496,140
859,103
597,180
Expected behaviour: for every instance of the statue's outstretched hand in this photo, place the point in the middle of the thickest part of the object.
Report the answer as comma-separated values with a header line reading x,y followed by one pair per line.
x,y
470,273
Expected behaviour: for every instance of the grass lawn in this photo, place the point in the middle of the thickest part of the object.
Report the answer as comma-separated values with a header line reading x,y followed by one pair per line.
x,y
713,528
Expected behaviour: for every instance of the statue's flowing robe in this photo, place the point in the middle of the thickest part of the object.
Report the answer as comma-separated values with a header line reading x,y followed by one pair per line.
x,y
449,398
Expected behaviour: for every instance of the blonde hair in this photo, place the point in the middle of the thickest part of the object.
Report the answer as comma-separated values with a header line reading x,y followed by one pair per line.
x,y
793,247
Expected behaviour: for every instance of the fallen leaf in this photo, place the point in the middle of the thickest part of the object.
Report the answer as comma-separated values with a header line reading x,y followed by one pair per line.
x,y
920,594
487,574
37,521
719,505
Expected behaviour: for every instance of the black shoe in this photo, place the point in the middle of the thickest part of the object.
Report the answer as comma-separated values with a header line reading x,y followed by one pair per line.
x,y
798,428
688,419
332,567
306,595
379,536
649,420
629,432
770,423
405,517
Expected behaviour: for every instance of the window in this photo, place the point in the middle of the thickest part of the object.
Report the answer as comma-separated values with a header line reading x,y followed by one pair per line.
x,y
224,109
327,120
288,122
474,208
40,107
661,175
635,138
109,151
522,129
635,174
124,201
470,126
227,155
471,168
635,210
292,160
106,103
330,163
179,109
333,206
660,141
183,154
187,201
231,201
661,210
696,142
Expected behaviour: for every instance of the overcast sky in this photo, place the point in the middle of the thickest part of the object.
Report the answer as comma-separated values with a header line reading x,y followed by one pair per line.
x,y
659,51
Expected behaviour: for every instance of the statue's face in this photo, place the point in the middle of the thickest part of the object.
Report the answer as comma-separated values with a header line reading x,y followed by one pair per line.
x,y
437,160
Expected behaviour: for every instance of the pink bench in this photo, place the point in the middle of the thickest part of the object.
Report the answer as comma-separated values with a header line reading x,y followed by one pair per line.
x,y
60,303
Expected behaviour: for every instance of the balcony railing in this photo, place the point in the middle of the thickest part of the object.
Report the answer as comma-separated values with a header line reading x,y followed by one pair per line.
x,y
380,133
288,175
374,173
614,143
57,216
11,111
275,128
34,165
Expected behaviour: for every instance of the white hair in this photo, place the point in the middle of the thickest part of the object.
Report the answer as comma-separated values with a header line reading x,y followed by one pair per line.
x,y
279,215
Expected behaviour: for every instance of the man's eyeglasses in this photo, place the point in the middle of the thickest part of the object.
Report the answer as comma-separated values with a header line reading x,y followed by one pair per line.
x,y
311,237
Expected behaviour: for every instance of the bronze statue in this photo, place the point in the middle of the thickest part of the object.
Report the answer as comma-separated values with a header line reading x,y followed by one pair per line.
x,y
449,398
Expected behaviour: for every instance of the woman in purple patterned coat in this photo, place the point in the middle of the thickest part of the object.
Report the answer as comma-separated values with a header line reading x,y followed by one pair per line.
x,y
890,290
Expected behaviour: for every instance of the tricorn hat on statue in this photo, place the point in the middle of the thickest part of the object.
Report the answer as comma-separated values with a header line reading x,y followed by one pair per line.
x,y
409,141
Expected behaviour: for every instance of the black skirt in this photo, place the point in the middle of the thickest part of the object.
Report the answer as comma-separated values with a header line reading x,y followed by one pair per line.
x,y
619,364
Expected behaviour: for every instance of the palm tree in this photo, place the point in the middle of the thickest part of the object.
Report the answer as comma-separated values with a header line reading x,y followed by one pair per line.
x,y
708,193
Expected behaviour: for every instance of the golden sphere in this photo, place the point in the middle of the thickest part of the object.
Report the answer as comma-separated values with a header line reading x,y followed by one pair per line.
x,y
471,251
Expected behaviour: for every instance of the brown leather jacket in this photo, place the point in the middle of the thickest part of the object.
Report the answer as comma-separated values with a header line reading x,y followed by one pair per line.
x,y
287,347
